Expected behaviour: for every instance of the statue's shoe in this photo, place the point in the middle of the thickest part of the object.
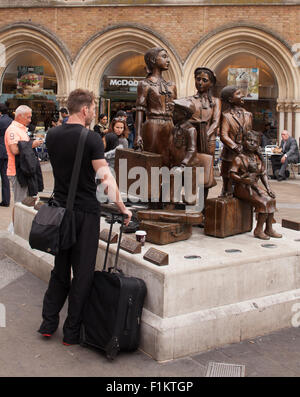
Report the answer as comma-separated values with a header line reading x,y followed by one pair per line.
x,y
261,235
273,234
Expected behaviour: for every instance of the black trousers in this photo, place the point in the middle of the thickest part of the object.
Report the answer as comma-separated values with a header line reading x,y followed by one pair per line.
x,y
277,165
81,258
5,189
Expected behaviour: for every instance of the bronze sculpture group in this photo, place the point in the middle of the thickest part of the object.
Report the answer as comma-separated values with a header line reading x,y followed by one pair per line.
x,y
183,131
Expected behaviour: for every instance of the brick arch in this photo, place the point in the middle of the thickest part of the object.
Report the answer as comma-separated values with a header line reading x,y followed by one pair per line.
x,y
21,37
102,48
229,40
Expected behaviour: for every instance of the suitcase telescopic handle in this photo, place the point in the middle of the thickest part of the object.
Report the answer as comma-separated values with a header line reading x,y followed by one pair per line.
x,y
120,219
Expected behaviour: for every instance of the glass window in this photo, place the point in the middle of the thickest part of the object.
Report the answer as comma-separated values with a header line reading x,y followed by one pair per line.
x,y
264,108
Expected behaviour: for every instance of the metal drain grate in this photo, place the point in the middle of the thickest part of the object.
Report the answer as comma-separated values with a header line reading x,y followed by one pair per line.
x,y
224,370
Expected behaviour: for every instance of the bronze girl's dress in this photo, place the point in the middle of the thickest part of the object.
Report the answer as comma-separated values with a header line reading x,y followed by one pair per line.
x,y
245,165
155,99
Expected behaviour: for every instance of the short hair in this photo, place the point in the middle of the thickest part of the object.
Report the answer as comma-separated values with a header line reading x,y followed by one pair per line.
x,y
121,113
79,98
253,133
63,110
3,108
286,132
151,55
22,109
227,92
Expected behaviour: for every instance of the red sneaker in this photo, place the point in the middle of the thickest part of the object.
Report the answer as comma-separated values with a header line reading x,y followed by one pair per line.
x,y
47,335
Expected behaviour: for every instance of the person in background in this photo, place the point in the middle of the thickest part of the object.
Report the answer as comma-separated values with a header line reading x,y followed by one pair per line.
x,y
121,113
64,114
54,121
266,138
5,121
290,154
131,127
116,137
17,131
102,126
62,144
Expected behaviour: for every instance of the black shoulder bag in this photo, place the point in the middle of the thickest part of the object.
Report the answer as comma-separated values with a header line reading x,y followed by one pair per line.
x,y
53,227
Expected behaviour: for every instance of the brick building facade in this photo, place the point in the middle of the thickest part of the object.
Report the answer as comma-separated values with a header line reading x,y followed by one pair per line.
x,y
84,41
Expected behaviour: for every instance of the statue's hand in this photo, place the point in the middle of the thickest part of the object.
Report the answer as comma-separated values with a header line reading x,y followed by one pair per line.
x,y
138,144
238,149
271,193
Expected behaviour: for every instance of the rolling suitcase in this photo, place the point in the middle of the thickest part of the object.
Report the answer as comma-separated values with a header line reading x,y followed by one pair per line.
x,y
112,314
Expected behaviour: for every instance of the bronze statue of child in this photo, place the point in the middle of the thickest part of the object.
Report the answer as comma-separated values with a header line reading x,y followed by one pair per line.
x,y
235,121
183,144
154,99
247,169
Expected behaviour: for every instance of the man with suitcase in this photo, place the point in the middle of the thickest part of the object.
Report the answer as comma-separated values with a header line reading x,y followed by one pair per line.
x,y
61,144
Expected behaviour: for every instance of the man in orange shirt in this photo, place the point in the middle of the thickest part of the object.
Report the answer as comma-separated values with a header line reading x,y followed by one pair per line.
x,y
17,131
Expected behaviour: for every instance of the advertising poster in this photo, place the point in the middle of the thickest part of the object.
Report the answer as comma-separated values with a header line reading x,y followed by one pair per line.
x,y
30,80
246,79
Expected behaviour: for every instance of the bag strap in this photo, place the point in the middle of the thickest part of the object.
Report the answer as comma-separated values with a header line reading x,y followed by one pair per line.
x,y
76,169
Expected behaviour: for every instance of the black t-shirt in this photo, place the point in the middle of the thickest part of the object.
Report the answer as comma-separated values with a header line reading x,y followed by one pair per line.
x,y
61,143
112,141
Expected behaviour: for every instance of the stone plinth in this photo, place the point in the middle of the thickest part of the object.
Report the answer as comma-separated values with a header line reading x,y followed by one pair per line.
x,y
193,305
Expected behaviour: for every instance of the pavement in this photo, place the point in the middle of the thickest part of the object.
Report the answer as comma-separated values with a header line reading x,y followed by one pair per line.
x,y
25,353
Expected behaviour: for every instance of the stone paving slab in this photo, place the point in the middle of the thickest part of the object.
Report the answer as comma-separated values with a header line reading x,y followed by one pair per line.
x,y
25,353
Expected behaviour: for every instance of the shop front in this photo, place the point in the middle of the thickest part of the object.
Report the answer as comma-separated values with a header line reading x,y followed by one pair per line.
x,y
118,86
259,86
29,79
259,62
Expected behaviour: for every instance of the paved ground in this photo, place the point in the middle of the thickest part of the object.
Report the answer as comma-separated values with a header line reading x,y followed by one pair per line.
x,y
24,353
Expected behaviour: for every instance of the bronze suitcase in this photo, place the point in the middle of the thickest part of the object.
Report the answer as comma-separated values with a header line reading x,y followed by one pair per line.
x,y
171,216
227,216
165,233
135,158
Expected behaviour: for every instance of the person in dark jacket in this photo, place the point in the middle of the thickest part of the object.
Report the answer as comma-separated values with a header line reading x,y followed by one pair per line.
x,y
28,169
290,154
5,121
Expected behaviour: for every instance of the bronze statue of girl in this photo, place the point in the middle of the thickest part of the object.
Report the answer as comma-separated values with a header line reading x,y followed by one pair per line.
x,y
206,118
155,100
247,169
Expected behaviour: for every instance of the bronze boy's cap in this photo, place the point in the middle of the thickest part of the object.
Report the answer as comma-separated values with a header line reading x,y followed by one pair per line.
x,y
184,104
